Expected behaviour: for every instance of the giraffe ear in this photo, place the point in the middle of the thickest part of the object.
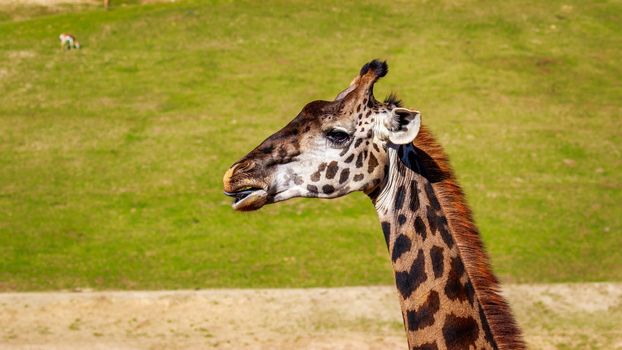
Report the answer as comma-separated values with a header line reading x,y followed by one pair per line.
x,y
403,125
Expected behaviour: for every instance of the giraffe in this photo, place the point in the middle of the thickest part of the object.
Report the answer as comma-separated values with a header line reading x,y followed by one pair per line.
x,y
448,294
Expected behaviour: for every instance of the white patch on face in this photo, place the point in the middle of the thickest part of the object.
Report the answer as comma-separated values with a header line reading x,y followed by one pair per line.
x,y
321,151
304,166
292,192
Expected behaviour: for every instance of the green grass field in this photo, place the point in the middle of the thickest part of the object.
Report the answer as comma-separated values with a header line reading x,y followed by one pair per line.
x,y
111,157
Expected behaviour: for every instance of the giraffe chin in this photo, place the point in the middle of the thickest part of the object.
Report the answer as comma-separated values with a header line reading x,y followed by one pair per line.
x,y
252,201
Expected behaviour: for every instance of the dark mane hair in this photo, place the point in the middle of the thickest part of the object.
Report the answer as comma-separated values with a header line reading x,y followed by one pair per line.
x,y
440,174
392,100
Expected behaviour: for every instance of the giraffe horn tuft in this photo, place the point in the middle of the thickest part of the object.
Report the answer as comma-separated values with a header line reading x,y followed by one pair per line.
x,y
377,67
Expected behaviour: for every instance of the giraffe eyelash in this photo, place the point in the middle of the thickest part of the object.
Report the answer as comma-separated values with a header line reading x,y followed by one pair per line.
x,y
337,136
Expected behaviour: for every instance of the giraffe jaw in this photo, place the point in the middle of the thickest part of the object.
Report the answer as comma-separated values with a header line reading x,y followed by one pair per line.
x,y
249,199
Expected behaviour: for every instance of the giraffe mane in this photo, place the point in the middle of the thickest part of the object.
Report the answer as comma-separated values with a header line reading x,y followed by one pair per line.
x,y
393,100
461,224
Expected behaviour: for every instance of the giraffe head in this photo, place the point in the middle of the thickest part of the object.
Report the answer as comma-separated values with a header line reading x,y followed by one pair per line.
x,y
330,149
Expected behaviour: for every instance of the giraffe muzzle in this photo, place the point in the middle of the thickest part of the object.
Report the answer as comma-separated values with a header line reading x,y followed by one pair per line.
x,y
248,194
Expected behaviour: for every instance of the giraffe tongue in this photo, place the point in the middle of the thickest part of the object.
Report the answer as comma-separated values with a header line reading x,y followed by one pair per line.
x,y
239,195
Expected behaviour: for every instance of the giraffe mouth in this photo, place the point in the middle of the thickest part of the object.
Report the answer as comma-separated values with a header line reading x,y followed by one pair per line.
x,y
248,198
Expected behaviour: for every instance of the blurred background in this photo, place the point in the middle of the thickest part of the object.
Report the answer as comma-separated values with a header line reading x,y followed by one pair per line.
x,y
111,156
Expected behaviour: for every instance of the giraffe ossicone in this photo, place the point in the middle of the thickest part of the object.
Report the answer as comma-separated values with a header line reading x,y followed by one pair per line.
x,y
449,297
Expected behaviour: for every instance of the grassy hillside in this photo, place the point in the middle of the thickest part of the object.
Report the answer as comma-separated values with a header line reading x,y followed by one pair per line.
x,y
111,157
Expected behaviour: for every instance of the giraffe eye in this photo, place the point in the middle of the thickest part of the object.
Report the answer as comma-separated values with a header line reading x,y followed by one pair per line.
x,y
337,136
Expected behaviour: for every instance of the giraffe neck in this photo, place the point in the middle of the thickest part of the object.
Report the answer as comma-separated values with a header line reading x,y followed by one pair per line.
x,y
441,306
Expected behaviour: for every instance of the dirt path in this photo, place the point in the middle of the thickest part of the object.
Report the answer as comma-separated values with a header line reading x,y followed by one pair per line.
x,y
574,316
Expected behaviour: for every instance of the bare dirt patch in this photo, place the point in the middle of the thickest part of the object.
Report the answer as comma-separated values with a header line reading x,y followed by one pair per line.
x,y
585,316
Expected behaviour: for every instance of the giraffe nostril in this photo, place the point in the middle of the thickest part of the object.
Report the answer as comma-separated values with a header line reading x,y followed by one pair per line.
x,y
243,176
244,167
